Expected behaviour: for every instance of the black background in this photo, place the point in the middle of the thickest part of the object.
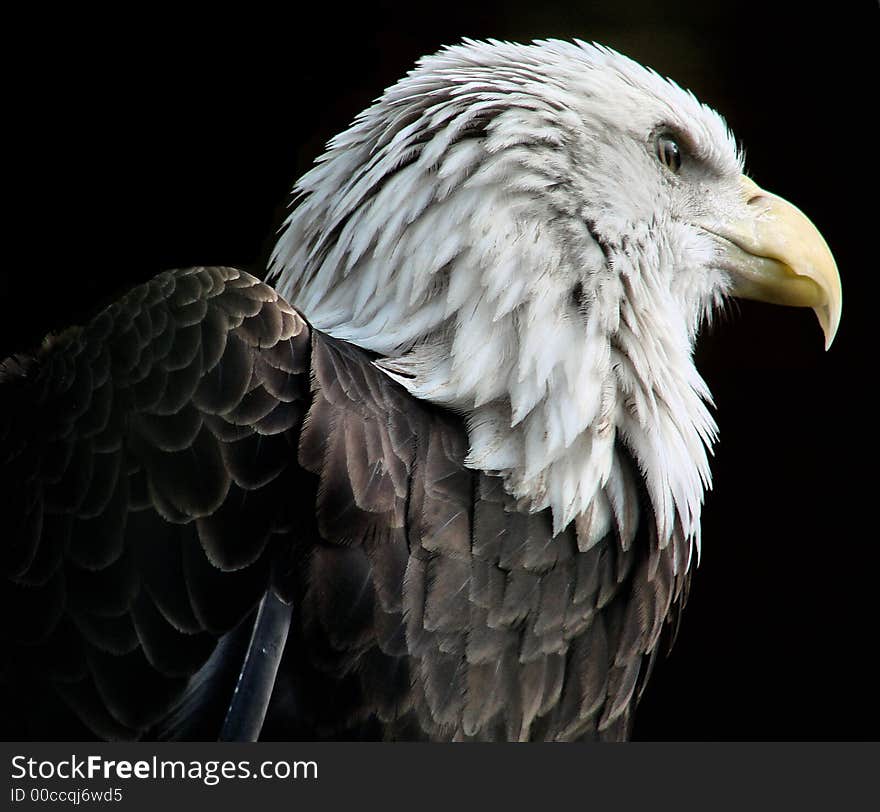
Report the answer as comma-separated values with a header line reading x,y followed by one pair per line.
x,y
156,140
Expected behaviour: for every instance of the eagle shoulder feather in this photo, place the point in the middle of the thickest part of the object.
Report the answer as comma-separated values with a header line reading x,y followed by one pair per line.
x,y
198,445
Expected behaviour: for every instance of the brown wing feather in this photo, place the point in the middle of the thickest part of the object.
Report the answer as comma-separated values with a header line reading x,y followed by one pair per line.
x,y
196,444
145,460
500,629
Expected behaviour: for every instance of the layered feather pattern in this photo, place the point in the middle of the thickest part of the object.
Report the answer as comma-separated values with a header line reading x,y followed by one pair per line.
x,y
468,468
145,466
148,521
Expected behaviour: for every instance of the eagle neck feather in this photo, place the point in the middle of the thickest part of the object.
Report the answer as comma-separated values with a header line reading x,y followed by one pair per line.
x,y
442,232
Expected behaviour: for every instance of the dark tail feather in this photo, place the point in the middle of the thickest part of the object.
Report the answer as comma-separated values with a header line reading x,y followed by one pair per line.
x,y
250,698
231,691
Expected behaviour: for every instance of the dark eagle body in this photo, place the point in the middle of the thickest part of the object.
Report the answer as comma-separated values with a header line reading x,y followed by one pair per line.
x,y
441,477
196,445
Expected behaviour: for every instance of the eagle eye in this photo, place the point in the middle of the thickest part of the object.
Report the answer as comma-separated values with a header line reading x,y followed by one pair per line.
x,y
669,152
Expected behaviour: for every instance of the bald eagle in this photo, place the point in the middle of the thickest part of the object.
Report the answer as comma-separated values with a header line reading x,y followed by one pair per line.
x,y
440,476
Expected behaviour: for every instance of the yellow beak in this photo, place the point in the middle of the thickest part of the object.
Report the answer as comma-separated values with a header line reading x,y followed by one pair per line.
x,y
775,254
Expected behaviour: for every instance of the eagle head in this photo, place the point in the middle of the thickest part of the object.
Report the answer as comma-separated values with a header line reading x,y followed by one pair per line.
x,y
532,235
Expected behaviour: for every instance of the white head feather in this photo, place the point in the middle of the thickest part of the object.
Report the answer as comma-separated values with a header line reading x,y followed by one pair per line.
x,y
498,227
